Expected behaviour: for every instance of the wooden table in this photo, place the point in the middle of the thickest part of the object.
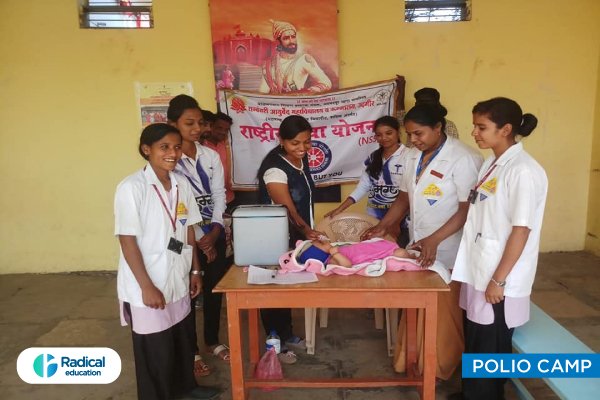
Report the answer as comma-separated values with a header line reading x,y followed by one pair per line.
x,y
410,290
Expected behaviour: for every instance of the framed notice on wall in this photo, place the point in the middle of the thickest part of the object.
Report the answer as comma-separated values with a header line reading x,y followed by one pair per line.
x,y
153,99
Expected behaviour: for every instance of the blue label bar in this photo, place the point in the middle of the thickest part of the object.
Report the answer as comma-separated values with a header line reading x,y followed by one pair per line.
x,y
531,365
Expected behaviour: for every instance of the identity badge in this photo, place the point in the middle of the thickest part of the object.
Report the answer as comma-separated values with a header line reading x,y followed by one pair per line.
x,y
176,246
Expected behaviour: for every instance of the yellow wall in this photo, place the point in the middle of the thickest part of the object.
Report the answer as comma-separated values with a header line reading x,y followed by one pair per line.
x,y
592,241
70,122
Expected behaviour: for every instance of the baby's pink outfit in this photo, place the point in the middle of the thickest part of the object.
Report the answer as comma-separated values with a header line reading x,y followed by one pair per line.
x,y
363,252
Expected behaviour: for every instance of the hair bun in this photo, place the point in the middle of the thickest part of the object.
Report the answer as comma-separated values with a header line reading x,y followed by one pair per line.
x,y
443,110
528,124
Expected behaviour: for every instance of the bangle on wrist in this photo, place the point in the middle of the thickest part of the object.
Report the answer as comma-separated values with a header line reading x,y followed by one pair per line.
x,y
499,283
195,272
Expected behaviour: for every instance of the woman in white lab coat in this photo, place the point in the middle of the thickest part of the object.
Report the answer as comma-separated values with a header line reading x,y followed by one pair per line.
x,y
440,172
498,253
155,211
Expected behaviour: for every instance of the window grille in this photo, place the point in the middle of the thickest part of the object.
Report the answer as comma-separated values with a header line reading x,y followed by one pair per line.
x,y
437,10
107,14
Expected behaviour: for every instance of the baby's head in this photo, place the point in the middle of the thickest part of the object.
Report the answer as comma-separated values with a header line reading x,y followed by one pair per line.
x,y
312,249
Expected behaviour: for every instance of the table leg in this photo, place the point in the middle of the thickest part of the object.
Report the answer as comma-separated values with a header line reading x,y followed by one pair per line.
x,y
412,362
253,335
238,391
391,326
429,351
310,318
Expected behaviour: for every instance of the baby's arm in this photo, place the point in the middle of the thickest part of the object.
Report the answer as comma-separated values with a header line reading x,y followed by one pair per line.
x,y
339,259
403,253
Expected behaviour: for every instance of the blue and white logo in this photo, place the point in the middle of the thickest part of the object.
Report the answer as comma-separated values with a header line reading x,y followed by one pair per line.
x,y
319,157
69,365
43,366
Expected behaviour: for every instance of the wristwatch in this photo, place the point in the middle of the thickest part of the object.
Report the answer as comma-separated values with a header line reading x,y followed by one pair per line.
x,y
499,283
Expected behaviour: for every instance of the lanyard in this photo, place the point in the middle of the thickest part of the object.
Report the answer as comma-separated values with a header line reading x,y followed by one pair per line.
x,y
385,171
489,171
473,193
204,179
174,219
421,167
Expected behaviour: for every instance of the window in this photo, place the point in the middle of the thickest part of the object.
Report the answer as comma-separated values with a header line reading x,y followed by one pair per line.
x,y
105,14
437,10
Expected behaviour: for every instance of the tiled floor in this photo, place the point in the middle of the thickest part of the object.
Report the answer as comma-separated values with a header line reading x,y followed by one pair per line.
x,y
81,310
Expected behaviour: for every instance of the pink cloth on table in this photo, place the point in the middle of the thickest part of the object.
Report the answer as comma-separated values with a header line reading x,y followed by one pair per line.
x,y
363,252
289,263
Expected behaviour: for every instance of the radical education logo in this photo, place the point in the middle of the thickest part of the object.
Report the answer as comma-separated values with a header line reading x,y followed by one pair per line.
x,y
43,366
69,365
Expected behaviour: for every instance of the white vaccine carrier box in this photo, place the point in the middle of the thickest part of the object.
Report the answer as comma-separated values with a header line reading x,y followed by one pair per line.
x,y
260,234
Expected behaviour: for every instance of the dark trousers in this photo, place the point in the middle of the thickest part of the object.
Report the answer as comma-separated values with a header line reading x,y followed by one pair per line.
x,y
278,319
494,338
164,361
211,275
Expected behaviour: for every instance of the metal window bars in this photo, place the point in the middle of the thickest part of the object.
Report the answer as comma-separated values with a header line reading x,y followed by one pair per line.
x,y
437,10
107,14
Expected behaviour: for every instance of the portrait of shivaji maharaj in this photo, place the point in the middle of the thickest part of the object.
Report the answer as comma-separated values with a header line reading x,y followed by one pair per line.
x,y
289,69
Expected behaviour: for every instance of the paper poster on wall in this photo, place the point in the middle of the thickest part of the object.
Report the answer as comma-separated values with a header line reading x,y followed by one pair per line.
x,y
342,136
275,46
153,99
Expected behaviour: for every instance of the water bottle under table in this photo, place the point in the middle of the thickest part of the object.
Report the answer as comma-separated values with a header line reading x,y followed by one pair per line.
x,y
273,341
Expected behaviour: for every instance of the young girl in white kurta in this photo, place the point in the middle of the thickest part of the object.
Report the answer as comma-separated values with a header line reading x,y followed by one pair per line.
x,y
498,253
158,268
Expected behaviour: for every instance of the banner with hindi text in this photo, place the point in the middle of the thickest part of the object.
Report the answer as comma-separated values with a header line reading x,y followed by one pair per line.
x,y
342,136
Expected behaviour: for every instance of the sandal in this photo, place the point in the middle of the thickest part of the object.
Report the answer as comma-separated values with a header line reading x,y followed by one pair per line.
x,y
296,343
287,358
200,367
221,351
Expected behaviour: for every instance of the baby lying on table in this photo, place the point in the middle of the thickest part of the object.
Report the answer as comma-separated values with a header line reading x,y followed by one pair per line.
x,y
347,255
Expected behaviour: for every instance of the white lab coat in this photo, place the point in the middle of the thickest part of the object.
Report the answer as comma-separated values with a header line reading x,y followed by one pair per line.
x,y
445,182
513,194
139,212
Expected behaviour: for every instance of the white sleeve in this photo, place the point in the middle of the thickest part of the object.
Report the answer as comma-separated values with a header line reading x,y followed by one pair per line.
x,y
127,206
363,187
522,198
275,175
464,175
217,188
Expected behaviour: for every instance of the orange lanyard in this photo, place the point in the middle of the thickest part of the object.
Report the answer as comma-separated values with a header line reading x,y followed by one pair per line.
x,y
473,193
